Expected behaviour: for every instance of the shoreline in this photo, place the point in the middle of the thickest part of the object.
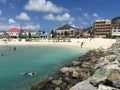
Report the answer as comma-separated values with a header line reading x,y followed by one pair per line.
x,y
87,43
72,67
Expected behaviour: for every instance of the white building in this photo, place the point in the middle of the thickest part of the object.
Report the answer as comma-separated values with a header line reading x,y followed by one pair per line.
x,y
115,31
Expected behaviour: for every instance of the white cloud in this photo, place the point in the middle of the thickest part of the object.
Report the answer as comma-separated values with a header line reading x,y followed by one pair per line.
x,y
84,23
0,12
95,15
31,27
65,17
60,18
11,21
49,17
43,6
86,15
23,16
3,1
4,27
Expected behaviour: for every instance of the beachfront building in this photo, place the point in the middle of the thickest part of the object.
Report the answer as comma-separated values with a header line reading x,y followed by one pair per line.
x,y
28,34
102,28
66,31
46,35
24,33
116,26
13,32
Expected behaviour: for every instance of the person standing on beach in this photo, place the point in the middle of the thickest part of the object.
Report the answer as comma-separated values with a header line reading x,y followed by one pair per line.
x,y
81,44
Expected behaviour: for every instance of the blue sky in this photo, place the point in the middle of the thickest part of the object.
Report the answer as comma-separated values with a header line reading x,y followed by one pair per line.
x,y
50,14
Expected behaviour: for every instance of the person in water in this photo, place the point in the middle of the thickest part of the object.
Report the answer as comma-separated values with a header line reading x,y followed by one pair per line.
x,y
14,48
2,54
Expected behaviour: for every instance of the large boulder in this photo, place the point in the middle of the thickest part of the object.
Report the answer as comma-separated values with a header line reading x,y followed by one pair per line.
x,y
84,85
107,75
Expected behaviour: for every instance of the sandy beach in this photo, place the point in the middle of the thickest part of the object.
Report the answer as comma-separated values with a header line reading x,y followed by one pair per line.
x,y
87,43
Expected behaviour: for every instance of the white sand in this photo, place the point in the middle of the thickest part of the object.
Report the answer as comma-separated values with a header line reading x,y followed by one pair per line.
x,y
93,43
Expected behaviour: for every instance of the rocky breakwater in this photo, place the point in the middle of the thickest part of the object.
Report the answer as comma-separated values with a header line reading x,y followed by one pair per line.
x,y
96,70
79,70
107,72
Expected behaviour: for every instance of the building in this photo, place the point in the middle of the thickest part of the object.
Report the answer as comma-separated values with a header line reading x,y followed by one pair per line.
x,y
66,31
13,32
115,31
102,28
28,34
116,26
2,34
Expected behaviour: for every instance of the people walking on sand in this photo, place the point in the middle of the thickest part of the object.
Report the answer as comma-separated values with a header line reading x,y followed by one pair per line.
x,y
82,44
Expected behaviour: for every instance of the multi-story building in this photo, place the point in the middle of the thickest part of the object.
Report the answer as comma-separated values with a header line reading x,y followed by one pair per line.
x,y
116,26
66,31
102,28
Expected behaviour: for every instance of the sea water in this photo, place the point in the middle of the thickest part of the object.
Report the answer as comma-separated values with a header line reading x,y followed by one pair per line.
x,y
44,60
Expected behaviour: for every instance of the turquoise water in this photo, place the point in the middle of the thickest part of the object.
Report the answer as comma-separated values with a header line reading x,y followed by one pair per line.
x,y
44,60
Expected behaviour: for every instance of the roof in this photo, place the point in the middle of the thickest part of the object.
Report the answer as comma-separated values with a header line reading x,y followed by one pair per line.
x,y
13,30
26,31
66,27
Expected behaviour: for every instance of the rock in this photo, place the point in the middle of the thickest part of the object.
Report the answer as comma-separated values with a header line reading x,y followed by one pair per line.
x,y
111,58
107,75
40,84
76,63
84,85
56,82
103,87
69,69
57,88
75,74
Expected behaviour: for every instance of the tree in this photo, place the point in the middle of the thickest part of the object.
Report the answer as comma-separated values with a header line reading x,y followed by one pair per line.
x,y
66,33
91,32
53,33
29,35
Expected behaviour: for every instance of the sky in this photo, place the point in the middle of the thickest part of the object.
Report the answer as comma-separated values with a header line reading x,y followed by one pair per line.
x,y
47,15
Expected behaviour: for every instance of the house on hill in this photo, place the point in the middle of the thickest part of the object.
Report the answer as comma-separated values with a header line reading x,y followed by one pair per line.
x,y
66,31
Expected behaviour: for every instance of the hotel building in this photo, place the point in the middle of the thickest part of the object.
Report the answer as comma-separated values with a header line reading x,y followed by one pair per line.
x,y
102,28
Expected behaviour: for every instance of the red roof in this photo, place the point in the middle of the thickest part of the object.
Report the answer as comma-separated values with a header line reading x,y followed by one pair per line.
x,y
13,30
26,31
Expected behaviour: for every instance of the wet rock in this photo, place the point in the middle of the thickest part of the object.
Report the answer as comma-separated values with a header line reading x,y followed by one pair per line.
x,y
75,74
56,82
76,63
40,84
